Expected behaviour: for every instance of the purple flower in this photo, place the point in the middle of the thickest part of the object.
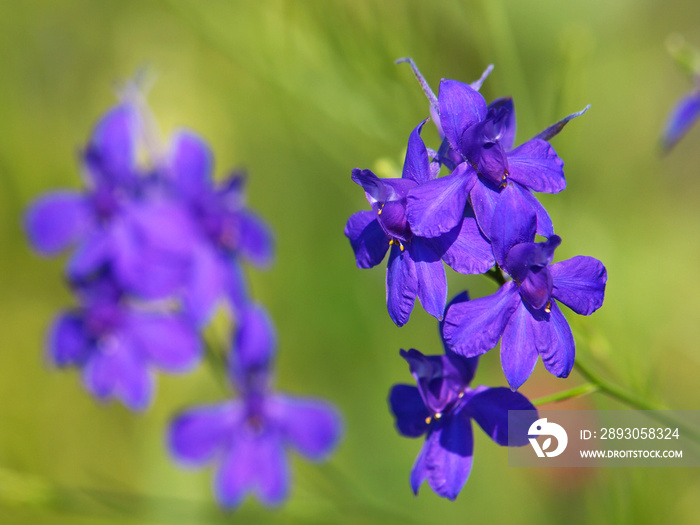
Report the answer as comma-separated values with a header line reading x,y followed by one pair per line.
x,y
249,436
116,344
479,142
442,407
227,229
415,263
523,313
112,223
684,114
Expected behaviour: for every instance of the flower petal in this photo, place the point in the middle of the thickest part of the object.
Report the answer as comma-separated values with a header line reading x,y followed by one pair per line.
x,y
464,248
555,128
502,111
536,289
110,154
473,327
191,164
94,252
483,198
375,190
256,240
313,427
436,207
558,356
58,220
156,240
170,342
430,274
368,240
116,371
238,471
537,166
484,152
460,107
579,283
446,457
207,283
197,435
273,470
489,408
512,223
545,228
684,114
401,285
68,343
416,166
255,342
409,410
522,337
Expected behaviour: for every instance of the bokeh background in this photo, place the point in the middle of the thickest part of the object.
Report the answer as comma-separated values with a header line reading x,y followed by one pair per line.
x,y
301,92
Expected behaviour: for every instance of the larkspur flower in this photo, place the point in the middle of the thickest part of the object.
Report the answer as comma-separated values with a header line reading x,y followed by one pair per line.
x,y
523,313
117,343
249,436
227,229
442,407
415,263
478,146
682,117
111,224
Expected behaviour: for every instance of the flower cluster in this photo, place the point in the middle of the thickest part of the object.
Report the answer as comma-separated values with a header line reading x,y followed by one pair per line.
x,y
480,217
157,247
249,435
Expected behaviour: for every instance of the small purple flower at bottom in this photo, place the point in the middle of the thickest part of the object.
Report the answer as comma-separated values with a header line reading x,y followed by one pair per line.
x,y
249,439
249,436
442,407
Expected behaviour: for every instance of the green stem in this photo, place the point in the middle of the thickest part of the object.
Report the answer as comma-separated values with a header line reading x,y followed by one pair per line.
x,y
217,364
654,411
497,275
577,391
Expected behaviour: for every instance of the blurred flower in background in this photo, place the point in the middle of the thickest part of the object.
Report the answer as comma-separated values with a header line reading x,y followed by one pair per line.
x,y
158,246
686,112
249,437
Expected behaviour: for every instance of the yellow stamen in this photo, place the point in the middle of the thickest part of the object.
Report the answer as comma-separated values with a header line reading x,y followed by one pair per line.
x,y
428,420
391,241
548,307
438,415
401,246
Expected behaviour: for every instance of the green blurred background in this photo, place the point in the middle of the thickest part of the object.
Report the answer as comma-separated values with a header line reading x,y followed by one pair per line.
x,y
301,92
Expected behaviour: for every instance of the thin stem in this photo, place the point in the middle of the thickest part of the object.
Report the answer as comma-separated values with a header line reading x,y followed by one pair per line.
x,y
577,391
497,275
654,411
217,363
